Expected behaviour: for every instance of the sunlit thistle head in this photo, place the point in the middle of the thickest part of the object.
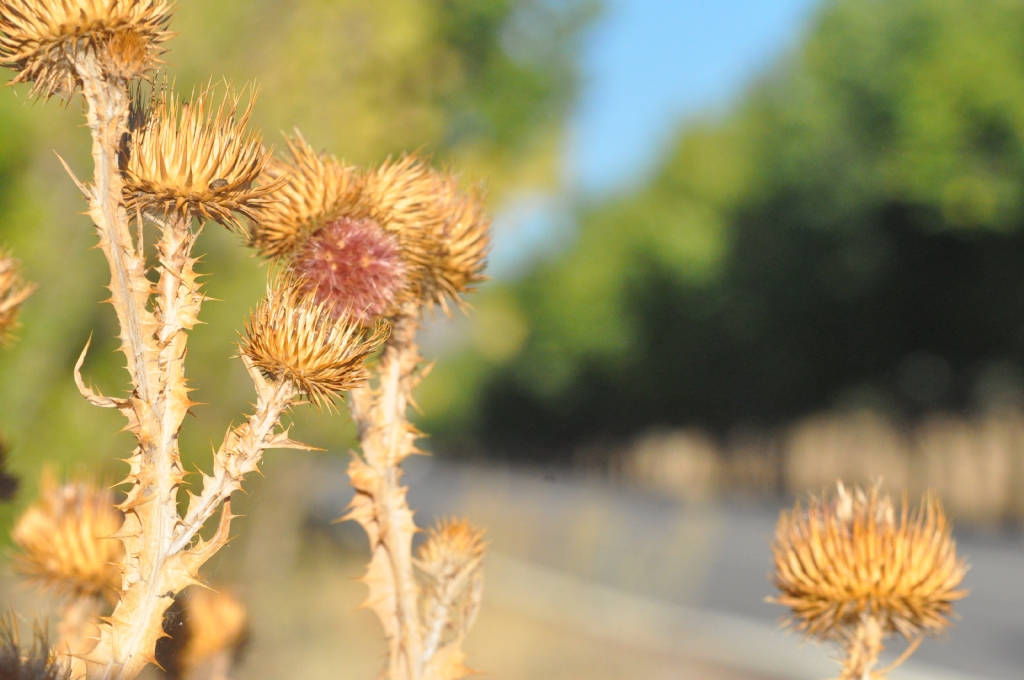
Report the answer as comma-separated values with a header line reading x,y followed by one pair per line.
x,y
197,159
842,560
44,40
311,190
205,627
355,267
443,231
64,539
292,338
378,243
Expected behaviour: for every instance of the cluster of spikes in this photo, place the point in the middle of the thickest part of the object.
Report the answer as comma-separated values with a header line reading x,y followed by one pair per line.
x,y
63,539
27,660
855,569
293,338
451,563
195,159
43,39
374,243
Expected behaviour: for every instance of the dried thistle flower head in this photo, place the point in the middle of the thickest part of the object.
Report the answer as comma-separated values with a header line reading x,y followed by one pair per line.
x,y
204,627
444,232
35,661
313,189
197,159
43,39
453,546
64,539
451,562
13,292
354,266
293,338
854,570
371,244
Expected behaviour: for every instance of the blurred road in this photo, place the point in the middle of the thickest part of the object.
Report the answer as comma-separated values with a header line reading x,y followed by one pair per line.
x,y
677,578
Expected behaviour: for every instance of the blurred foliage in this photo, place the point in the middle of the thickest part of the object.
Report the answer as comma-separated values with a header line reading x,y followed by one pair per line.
x,y
481,85
850,233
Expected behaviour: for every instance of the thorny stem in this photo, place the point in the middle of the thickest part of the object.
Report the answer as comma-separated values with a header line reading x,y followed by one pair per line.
x,y
162,553
108,122
243,447
388,438
863,649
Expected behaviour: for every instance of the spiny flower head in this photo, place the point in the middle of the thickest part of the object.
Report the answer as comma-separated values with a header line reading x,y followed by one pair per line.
x,y
197,159
444,232
35,661
311,190
372,243
44,39
13,292
451,560
202,624
357,268
64,539
452,546
293,338
841,560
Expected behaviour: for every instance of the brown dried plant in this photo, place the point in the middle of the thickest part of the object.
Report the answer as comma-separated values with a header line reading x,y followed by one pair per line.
x,y
168,165
46,40
64,541
854,570
389,243
33,661
65,547
208,631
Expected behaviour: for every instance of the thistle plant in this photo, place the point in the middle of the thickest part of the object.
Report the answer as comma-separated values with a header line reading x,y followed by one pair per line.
x,y
854,571
208,629
175,167
32,661
388,244
64,549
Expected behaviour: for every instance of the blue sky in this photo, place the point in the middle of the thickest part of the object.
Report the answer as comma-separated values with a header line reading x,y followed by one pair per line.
x,y
648,65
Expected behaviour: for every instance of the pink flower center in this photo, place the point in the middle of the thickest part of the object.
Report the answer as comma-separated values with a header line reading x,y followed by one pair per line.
x,y
354,265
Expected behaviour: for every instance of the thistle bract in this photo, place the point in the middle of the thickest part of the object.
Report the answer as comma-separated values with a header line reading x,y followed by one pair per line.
x,y
44,39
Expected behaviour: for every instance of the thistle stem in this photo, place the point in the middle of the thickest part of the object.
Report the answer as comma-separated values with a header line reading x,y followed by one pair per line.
x,y
387,438
863,649
162,554
108,122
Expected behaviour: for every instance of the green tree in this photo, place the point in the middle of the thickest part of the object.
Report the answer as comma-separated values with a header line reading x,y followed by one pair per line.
x,y
859,210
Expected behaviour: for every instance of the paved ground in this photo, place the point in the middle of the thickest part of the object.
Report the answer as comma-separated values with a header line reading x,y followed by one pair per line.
x,y
701,570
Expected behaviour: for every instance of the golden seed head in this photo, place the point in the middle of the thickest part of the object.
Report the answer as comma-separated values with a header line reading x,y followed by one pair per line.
x,y
312,190
324,218
216,622
444,232
43,39
291,337
854,556
197,159
451,545
34,661
13,292
64,539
